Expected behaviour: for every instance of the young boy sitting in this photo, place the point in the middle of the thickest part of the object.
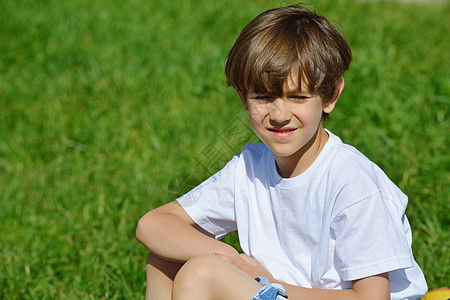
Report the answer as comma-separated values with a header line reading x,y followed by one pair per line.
x,y
316,219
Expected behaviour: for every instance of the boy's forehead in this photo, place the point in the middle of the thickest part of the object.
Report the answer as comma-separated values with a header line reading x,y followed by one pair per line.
x,y
294,83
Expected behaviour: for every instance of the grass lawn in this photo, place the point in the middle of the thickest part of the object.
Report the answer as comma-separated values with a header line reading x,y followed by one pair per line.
x,y
111,108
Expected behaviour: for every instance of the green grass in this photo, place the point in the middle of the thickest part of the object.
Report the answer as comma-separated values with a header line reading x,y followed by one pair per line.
x,y
111,108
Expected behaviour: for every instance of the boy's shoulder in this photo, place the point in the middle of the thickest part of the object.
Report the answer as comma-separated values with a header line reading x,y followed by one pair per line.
x,y
336,155
340,166
352,169
345,156
349,161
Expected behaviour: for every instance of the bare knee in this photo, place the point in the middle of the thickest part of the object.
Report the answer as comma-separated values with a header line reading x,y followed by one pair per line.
x,y
199,268
197,276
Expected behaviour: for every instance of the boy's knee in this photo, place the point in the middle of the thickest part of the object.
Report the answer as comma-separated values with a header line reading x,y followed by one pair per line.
x,y
200,268
199,273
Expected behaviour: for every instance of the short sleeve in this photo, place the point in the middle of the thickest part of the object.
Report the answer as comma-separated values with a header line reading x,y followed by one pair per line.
x,y
211,204
370,239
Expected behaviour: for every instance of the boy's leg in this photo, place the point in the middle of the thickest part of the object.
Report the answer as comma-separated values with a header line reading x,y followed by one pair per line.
x,y
160,274
209,277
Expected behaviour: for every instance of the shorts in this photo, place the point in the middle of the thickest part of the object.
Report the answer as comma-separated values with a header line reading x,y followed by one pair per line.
x,y
270,291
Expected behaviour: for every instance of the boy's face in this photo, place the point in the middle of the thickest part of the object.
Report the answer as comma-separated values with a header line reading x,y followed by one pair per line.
x,y
288,123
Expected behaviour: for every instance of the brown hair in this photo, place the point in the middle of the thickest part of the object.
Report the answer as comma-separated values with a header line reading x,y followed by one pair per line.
x,y
286,39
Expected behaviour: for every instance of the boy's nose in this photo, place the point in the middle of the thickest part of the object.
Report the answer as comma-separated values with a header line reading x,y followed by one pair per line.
x,y
279,111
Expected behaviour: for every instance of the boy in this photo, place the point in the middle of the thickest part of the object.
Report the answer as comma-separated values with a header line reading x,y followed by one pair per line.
x,y
315,218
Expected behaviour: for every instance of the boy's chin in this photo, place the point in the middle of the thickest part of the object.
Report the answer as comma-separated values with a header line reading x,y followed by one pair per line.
x,y
283,151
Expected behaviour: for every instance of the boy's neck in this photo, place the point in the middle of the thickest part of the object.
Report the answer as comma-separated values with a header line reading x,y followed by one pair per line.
x,y
299,162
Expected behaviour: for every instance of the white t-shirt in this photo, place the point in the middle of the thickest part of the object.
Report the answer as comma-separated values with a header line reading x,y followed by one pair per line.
x,y
340,220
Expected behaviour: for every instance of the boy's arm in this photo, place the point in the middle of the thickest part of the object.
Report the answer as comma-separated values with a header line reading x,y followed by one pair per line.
x,y
370,288
168,232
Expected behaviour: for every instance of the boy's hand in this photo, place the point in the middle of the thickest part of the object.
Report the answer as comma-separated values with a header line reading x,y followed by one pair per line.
x,y
248,265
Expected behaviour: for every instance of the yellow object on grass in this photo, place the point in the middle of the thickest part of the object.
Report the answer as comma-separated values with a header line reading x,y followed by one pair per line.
x,y
437,294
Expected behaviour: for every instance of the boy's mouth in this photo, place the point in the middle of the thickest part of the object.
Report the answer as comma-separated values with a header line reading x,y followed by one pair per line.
x,y
279,130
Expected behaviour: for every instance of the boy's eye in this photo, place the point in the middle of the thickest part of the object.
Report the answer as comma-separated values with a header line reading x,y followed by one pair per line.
x,y
269,98
298,98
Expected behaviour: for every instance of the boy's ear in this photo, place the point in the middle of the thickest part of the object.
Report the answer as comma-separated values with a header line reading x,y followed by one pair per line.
x,y
243,100
337,92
